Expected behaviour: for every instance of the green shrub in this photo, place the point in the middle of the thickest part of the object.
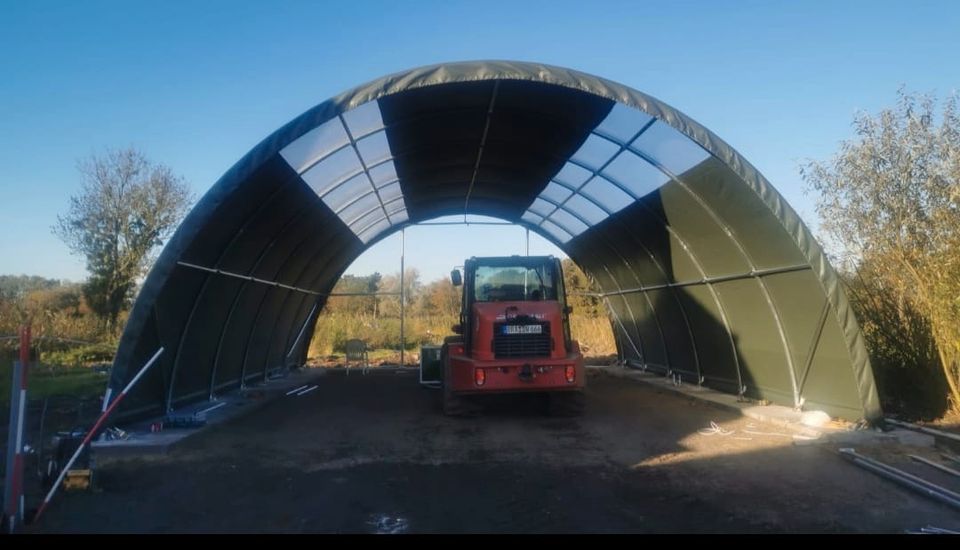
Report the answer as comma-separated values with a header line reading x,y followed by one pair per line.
x,y
80,356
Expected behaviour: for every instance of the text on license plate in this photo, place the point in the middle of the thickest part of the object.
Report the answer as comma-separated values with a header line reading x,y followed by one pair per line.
x,y
522,329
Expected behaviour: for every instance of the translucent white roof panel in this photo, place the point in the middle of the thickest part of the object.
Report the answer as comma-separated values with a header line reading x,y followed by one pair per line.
x,y
609,196
541,207
635,174
555,230
568,222
556,192
673,150
366,235
367,220
374,149
623,123
587,210
364,119
399,217
347,162
585,199
530,217
394,206
341,195
390,192
572,175
354,210
595,152
309,148
332,170
382,174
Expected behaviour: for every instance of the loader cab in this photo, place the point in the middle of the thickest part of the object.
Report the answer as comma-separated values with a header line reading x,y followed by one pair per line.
x,y
512,281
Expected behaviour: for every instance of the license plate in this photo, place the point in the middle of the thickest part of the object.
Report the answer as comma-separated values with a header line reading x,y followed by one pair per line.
x,y
523,329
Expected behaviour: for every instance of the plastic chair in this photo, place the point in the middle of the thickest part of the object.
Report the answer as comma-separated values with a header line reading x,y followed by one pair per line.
x,y
356,352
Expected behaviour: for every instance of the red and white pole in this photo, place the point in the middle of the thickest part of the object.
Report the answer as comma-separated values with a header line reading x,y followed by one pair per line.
x,y
92,432
13,493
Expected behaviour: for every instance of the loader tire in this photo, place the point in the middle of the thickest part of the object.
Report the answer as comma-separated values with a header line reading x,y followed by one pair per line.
x,y
453,404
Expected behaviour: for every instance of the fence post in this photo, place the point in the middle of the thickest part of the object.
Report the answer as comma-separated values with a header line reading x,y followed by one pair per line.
x,y
13,489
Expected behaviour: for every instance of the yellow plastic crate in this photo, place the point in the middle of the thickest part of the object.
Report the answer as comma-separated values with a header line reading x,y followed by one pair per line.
x,y
77,479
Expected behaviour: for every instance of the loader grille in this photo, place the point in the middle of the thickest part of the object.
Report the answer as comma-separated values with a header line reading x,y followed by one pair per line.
x,y
521,345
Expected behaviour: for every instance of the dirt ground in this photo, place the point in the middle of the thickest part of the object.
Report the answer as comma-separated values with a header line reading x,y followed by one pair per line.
x,y
372,454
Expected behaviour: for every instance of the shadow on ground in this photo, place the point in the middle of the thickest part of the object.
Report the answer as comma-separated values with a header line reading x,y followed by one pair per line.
x,y
373,454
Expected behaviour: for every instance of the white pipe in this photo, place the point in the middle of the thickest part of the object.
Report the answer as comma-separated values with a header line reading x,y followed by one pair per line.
x,y
909,480
303,328
308,390
213,408
933,464
923,429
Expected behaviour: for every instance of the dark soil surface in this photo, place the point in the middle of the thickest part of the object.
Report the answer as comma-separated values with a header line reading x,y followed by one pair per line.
x,y
368,454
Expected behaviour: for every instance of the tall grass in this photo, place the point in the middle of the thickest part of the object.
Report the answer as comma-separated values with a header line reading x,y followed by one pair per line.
x,y
594,334
334,329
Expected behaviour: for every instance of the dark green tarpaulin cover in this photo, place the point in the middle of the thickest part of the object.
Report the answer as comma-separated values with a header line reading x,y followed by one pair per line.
x,y
707,272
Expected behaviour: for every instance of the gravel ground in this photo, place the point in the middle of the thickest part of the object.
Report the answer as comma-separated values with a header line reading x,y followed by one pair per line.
x,y
373,454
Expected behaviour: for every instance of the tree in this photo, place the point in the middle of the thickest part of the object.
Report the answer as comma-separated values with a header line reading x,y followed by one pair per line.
x,y
373,284
18,286
390,305
440,298
890,200
903,351
16,308
127,206
355,303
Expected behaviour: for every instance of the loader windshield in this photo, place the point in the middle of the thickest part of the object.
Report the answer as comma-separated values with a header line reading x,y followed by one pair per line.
x,y
501,283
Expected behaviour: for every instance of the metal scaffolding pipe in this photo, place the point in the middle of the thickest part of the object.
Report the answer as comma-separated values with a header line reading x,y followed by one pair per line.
x,y
933,464
911,481
282,285
713,280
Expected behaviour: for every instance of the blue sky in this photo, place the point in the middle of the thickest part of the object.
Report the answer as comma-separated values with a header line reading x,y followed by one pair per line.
x,y
197,84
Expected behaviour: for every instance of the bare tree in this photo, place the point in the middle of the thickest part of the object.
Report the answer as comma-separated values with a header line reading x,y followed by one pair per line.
x,y
440,298
390,305
890,199
127,206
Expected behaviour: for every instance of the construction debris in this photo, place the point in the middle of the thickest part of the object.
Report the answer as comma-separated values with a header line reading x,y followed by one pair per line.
x,y
908,480
112,434
184,422
955,438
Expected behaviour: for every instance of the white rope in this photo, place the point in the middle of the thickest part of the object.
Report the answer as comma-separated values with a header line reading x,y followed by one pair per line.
x,y
715,429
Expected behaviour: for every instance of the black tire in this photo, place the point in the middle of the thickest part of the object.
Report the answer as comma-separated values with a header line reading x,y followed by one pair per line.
x,y
445,354
566,403
452,404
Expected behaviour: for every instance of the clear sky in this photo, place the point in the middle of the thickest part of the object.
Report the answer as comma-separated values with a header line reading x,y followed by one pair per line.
x,y
197,84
